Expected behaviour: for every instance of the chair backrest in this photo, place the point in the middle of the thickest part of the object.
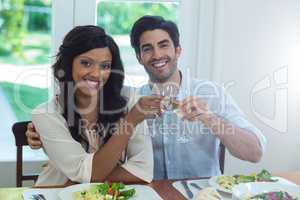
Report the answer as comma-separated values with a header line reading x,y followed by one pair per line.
x,y
222,157
19,130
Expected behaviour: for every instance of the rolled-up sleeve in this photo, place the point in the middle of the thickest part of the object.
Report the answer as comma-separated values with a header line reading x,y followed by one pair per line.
x,y
235,115
66,154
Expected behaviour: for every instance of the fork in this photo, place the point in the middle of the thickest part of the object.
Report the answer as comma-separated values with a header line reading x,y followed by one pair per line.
x,y
38,197
187,189
196,186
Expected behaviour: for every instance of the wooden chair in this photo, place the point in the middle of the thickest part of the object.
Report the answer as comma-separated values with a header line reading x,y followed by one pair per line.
x,y
222,157
19,130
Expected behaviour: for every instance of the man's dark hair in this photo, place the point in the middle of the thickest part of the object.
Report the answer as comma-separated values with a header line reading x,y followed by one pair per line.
x,y
149,23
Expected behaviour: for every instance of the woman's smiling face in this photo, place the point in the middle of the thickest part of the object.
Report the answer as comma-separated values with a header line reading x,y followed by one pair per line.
x,y
91,70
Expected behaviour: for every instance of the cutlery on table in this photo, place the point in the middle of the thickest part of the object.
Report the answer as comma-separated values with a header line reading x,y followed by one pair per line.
x,y
38,197
196,186
187,189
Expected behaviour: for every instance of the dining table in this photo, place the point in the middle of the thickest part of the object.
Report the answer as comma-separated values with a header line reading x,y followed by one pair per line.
x,y
164,187
167,192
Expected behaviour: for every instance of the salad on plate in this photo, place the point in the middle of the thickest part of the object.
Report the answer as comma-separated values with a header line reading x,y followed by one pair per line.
x,y
228,182
105,191
280,195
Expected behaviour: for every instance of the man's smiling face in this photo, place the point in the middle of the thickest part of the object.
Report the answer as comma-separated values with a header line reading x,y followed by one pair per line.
x,y
158,55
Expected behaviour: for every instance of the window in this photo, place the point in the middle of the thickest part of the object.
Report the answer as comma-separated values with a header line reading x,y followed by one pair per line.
x,y
195,19
117,18
25,28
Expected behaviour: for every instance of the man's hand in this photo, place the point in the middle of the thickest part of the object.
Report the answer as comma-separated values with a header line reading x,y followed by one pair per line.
x,y
33,137
194,109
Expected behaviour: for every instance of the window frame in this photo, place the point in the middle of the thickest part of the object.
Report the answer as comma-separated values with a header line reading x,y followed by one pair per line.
x,y
197,35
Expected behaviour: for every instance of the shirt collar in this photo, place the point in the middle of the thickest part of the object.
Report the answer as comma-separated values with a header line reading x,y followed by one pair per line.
x,y
185,89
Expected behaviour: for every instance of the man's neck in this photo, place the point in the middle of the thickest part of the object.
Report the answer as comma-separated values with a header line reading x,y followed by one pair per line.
x,y
175,79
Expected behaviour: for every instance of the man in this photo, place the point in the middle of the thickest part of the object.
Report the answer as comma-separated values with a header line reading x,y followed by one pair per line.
x,y
209,115
186,141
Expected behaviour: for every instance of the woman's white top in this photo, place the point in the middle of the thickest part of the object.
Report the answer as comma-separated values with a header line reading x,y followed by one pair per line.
x,y
68,159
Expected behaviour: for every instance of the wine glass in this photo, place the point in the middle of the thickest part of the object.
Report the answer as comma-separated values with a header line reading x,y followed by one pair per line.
x,y
169,93
170,104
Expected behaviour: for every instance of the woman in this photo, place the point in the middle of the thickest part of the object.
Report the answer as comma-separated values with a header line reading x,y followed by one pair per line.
x,y
89,133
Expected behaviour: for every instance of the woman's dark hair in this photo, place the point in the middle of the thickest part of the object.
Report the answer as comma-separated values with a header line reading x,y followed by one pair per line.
x,y
79,40
149,23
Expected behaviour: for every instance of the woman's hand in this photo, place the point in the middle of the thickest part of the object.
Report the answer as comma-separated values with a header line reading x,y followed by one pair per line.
x,y
33,137
147,107
69,183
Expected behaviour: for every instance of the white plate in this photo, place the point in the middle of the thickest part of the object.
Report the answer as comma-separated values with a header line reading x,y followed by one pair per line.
x,y
142,191
243,190
213,183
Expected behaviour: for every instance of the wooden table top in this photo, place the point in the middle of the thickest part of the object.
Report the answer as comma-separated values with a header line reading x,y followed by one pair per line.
x,y
165,189
167,192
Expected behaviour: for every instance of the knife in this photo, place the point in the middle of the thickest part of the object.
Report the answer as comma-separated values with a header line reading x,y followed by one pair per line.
x,y
187,189
196,186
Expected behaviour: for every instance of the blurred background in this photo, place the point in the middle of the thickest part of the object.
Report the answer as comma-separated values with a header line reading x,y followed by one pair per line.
x,y
25,42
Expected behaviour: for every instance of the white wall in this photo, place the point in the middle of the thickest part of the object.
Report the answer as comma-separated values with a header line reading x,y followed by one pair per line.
x,y
254,40
62,21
